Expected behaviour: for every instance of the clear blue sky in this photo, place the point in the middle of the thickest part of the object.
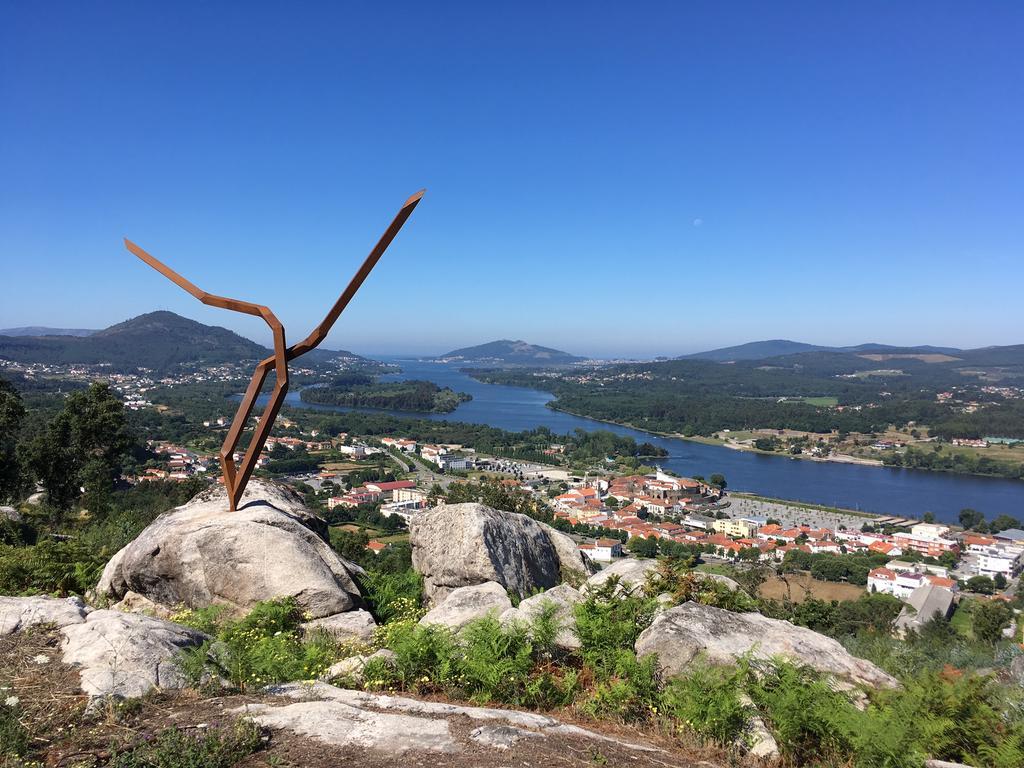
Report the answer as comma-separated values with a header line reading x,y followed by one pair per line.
x,y
608,178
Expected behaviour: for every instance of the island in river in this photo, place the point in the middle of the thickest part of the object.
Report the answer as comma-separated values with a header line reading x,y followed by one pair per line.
x,y
357,390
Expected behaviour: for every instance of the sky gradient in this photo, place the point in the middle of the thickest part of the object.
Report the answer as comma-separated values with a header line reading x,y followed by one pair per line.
x,y
626,179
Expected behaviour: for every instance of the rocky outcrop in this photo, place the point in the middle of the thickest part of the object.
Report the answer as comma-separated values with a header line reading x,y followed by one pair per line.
x,y
466,604
126,654
398,725
564,598
682,633
20,613
203,554
353,626
459,545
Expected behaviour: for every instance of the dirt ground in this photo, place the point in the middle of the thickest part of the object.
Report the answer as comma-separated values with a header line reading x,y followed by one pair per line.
x,y
64,734
799,585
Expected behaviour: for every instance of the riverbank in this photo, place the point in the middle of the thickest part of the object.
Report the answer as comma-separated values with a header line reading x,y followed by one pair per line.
x,y
841,458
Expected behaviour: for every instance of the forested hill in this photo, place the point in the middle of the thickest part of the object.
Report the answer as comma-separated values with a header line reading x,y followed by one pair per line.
x,y
972,394
761,350
157,340
506,352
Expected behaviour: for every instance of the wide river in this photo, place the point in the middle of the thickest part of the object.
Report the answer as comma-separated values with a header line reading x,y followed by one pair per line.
x,y
904,492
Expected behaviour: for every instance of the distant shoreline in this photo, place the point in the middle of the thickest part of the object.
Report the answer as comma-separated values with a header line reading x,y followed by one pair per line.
x,y
837,459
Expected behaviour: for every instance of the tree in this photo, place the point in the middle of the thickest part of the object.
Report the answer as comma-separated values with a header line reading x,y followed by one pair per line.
x,y
718,480
84,447
1000,581
642,547
981,584
12,413
928,517
1003,522
971,518
989,619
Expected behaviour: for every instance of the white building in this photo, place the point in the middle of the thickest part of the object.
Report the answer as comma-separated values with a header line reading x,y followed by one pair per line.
x,y
1005,560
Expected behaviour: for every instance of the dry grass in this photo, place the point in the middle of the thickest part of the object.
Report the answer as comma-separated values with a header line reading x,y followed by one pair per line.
x,y
799,586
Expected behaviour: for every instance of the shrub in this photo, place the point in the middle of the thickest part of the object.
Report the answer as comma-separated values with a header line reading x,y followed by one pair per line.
x,y
495,662
629,690
806,715
424,656
391,596
708,702
609,620
209,748
262,648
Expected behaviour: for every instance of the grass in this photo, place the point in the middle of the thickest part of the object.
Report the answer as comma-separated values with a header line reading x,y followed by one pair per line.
x,y
821,402
963,618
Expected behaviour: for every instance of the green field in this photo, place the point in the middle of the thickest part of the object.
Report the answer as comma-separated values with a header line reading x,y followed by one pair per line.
x,y
821,402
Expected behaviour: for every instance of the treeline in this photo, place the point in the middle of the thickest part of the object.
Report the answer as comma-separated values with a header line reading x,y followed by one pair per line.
x,y
357,391
953,461
1003,420
528,445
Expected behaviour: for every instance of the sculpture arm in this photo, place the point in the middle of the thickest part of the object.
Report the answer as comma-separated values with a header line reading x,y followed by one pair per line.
x,y
320,332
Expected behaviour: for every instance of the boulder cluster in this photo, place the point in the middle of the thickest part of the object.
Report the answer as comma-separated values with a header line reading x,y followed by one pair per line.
x,y
474,560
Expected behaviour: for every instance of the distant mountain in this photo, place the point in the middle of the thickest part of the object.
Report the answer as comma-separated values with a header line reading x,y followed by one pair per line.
x,y
756,350
762,350
506,352
40,330
157,340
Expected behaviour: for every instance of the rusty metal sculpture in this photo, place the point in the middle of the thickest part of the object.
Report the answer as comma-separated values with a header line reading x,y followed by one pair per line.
x,y
235,479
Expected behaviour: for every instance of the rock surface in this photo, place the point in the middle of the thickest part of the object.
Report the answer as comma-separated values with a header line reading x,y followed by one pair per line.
x,y
680,634
126,654
351,626
465,604
395,724
133,602
564,598
631,572
10,513
459,545
353,666
20,613
202,554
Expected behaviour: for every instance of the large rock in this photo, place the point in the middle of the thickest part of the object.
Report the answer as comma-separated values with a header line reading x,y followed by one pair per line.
x,y
458,545
466,604
127,654
20,613
631,572
203,554
564,598
10,514
352,626
682,633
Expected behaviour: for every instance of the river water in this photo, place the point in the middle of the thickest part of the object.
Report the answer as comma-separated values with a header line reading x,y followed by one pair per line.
x,y
903,492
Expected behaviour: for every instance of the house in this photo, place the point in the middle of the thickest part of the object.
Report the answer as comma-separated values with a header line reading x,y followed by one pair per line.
x,y
923,604
376,546
602,550
881,580
387,490
401,443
